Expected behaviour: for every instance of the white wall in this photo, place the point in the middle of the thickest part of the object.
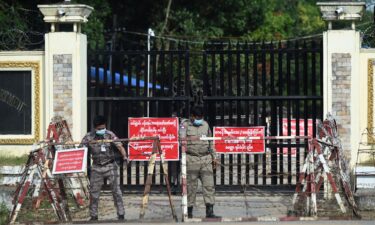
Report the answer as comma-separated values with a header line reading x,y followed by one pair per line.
x,y
57,43
345,41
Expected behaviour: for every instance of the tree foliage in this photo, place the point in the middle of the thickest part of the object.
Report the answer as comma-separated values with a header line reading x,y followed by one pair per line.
x,y
10,17
183,19
245,19
96,24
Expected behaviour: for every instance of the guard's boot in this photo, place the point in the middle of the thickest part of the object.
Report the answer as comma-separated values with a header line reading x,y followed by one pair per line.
x,y
210,211
94,218
190,212
121,217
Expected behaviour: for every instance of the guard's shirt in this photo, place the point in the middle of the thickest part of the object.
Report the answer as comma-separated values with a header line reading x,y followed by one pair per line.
x,y
197,147
101,153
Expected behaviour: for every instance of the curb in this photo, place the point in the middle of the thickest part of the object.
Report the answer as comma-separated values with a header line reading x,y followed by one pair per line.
x,y
199,220
268,219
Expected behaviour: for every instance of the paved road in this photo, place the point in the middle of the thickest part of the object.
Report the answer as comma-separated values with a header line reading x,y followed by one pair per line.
x,y
269,209
253,208
159,210
319,222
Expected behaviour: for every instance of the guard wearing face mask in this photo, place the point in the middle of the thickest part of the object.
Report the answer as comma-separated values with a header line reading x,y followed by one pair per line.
x,y
199,159
104,166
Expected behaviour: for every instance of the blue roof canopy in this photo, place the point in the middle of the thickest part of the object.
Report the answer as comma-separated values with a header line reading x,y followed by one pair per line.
x,y
117,78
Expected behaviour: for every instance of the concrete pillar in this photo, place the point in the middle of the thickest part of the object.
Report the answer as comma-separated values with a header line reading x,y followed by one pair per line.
x,y
341,86
341,72
66,65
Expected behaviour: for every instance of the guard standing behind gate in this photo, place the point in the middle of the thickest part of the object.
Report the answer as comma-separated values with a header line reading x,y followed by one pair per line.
x,y
104,166
200,160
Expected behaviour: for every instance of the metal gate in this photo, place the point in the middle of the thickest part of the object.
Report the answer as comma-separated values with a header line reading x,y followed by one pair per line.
x,y
259,84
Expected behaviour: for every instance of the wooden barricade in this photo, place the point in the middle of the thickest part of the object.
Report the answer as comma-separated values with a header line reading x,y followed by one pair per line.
x,y
151,167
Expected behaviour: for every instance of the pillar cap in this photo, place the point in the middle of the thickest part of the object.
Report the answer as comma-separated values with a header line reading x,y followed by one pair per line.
x,y
334,11
65,13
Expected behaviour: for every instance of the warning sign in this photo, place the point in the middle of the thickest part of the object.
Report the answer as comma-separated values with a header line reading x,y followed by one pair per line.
x,y
70,161
239,139
165,128
293,131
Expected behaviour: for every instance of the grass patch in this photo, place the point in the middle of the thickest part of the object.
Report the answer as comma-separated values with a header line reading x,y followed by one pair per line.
x,y
370,161
367,163
45,213
4,213
28,214
13,160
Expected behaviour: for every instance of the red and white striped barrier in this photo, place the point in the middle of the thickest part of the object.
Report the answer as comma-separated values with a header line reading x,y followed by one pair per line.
x,y
324,154
184,202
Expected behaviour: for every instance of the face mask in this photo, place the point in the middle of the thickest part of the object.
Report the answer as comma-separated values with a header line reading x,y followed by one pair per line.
x,y
198,122
100,132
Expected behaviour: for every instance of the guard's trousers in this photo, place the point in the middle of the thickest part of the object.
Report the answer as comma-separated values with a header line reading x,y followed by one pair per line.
x,y
98,174
200,168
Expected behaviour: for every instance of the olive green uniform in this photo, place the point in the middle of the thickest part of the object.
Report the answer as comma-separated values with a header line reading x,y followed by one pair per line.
x,y
199,158
103,166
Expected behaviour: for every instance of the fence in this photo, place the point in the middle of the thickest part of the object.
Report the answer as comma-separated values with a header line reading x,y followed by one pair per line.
x,y
274,85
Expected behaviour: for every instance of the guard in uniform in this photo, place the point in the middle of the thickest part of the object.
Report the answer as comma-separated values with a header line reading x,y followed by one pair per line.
x,y
200,158
104,166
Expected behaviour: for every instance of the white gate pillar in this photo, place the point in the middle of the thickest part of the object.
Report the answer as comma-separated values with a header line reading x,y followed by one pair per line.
x,y
341,57
66,65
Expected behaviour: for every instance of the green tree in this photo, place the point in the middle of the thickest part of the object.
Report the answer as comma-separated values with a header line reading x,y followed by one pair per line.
x,y
11,23
234,19
94,29
287,19
213,19
309,19
18,18
183,19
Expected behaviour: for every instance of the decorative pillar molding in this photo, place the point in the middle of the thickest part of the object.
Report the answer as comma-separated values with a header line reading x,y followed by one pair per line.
x,y
63,87
341,95
66,65
341,58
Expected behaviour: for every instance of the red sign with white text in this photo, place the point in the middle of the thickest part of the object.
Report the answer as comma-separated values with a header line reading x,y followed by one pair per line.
x,y
141,151
70,161
293,131
165,128
231,139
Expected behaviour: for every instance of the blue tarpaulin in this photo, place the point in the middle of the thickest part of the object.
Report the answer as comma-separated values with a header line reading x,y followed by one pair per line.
x,y
117,78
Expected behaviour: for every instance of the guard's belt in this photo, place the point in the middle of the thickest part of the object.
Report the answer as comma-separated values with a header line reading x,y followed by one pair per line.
x,y
104,163
197,154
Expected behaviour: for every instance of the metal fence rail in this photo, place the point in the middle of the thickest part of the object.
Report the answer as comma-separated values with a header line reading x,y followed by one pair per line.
x,y
278,85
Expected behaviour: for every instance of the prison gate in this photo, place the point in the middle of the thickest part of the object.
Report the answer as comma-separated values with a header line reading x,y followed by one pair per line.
x,y
276,85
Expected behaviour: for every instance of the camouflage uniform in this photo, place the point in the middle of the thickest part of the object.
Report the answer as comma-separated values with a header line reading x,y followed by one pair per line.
x,y
103,166
199,163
